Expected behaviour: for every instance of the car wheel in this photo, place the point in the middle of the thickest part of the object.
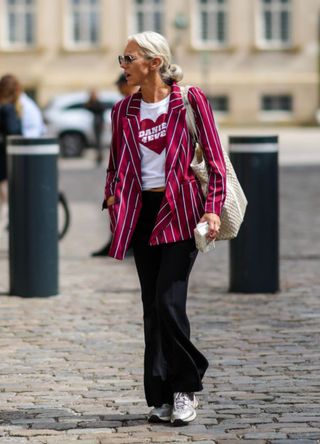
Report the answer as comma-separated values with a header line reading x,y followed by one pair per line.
x,y
71,144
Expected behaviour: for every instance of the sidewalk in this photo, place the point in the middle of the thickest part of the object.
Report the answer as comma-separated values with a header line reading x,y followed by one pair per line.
x,y
71,365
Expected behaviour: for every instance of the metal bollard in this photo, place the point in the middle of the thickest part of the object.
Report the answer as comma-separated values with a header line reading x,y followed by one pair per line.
x,y
254,254
33,226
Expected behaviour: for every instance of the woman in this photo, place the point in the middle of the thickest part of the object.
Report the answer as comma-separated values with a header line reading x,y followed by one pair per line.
x,y
10,124
155,202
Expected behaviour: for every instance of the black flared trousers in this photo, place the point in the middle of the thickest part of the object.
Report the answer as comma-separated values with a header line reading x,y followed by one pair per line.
x,y
172,363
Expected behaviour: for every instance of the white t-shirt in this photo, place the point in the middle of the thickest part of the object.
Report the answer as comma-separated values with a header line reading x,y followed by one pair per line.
x,y
152,141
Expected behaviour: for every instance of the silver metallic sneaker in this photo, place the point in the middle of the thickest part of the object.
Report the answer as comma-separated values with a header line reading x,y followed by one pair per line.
x,y
184,408
160,414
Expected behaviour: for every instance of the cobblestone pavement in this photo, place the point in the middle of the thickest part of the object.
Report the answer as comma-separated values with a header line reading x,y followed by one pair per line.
x,y
71,365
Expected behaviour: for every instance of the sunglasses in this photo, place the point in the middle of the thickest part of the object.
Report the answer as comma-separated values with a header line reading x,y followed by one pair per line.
x,y
126,59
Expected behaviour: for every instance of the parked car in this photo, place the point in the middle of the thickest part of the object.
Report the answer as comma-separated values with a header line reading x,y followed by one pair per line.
x,y
68,119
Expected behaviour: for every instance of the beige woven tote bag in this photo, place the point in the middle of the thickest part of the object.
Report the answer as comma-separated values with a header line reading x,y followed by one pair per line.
x,y
235,204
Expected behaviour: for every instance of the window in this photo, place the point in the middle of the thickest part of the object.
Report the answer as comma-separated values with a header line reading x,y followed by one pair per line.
x,y
20,23
84,17
282,103
276,22
212,22
149,15
219,103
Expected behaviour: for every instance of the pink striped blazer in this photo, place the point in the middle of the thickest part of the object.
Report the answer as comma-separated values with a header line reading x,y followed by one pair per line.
x,y
183,204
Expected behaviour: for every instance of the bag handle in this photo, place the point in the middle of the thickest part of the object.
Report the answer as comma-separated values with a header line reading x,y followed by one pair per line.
x,y
189,116
191,123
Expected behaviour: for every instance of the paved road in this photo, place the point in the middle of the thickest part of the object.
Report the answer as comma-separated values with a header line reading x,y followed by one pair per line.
x,y
70,366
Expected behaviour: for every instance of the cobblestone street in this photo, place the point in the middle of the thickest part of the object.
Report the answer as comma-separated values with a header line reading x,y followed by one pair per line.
x,y
71,365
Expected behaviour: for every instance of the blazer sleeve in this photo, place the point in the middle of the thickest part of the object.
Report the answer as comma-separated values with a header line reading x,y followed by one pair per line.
x,y
211,145
112,166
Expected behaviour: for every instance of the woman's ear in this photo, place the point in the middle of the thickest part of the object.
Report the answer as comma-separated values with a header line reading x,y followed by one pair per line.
x,y
155,63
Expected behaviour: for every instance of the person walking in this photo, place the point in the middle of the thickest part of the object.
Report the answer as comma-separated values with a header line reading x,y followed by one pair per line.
x,y
10,124
125,90
97,108
31,116
155,202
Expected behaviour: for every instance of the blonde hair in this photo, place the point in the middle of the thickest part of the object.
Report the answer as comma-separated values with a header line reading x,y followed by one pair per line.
x,y
154,45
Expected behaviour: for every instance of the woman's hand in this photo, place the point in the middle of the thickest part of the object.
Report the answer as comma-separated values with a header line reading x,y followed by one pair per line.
x,y
214,224
110,201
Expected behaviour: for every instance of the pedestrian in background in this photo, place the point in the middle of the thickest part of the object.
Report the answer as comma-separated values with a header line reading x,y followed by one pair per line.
x,y
125,90
10,124
155,202
31,116
97,108
124,87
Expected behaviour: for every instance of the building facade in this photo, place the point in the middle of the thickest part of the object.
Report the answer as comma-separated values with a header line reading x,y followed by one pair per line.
x,y
257,60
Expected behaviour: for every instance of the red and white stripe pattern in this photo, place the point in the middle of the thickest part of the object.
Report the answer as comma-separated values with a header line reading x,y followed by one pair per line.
x,y
183,203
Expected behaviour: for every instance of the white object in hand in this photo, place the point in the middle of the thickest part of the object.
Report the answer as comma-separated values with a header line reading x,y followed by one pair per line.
x,y
203,243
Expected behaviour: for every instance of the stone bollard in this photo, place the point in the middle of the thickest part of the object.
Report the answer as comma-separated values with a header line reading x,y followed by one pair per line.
x,y
33,226
254,254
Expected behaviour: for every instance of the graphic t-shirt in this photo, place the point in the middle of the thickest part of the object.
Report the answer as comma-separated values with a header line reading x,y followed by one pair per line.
x,y
152,141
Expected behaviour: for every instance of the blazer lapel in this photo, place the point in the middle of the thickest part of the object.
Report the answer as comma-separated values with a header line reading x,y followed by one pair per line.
x,y
176,124
131,128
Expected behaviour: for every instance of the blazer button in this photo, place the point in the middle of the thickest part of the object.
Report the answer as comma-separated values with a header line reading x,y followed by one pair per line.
x,y
117,179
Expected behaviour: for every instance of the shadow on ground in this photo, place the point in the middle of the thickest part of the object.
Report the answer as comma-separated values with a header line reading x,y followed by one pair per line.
x,y
61,420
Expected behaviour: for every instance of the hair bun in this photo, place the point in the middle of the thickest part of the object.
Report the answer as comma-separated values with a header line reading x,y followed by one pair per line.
x,y
176,73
